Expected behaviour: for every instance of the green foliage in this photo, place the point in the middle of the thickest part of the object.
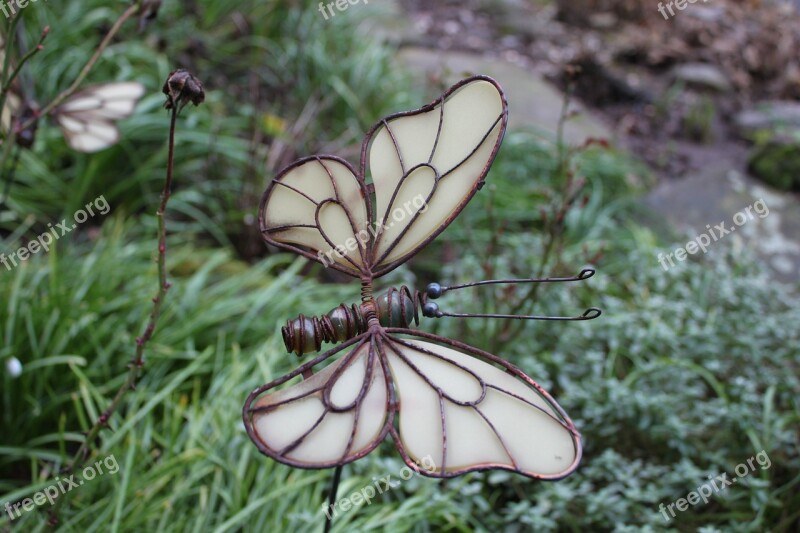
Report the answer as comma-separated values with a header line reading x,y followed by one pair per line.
x,y
683,376
72,318
292,67
687,374
778,163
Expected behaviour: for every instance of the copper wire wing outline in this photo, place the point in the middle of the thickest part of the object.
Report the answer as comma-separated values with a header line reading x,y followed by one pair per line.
x,y
377,336
369,271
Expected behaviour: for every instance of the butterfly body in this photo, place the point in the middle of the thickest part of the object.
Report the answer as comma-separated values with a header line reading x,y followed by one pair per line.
x,y
397,308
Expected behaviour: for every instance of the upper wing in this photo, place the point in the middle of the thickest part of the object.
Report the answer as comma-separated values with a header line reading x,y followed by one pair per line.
x,y
425,167
334,417
461,413
319,208
427,164
88,117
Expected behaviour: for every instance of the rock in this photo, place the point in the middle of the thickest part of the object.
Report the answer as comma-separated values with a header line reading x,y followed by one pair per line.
x,y
518,18
707,14
387,21
775,117
603,21
581,12
532,101
702,76
715,195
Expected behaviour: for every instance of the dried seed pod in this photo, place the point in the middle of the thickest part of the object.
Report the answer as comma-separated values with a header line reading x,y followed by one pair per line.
x,y
181,88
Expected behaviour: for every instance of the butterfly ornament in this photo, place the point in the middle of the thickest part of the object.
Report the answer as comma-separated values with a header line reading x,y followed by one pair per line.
x,y
463,407
87,118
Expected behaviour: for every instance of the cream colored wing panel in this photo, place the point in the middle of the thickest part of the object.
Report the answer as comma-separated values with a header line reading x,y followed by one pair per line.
x,y
467,414
426,165
317,208
333,417
88,118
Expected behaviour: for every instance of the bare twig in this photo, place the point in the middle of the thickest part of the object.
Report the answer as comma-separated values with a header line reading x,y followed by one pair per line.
x,y
32,52
141,342
9,143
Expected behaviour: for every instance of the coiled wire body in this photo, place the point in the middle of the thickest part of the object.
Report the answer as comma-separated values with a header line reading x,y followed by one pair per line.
x,y
396,308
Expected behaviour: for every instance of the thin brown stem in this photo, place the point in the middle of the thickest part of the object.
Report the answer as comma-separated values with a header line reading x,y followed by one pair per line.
x,y
141,342
32,52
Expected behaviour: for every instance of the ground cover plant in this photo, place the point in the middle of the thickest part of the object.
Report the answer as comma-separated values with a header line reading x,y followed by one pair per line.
x,y
688,373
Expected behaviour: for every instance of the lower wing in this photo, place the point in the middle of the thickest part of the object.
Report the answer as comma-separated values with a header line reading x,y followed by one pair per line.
x,y
336,416
462,409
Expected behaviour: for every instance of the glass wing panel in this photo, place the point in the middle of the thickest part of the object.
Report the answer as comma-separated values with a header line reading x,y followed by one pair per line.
x,y
317,208
426,166
470,414
333,417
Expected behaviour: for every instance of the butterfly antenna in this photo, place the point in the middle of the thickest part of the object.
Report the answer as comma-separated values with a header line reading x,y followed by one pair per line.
x,y
337,476
435,290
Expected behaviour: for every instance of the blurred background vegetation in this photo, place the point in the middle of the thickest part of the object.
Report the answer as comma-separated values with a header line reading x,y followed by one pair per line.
x,y
688,373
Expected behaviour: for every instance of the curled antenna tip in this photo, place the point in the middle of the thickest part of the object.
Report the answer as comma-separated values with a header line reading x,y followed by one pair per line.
x,y
586,273
591,313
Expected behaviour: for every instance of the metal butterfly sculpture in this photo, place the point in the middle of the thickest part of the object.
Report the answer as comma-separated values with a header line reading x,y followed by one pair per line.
x,y
465,408
86,118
